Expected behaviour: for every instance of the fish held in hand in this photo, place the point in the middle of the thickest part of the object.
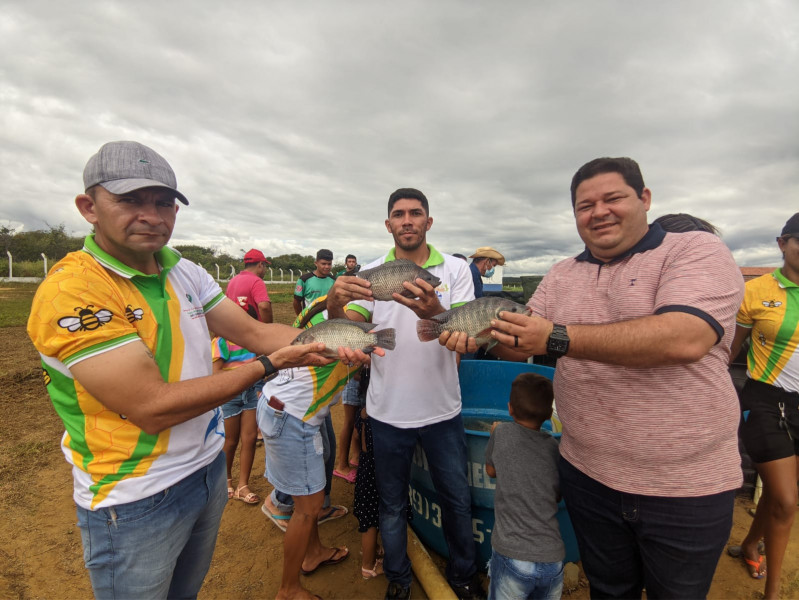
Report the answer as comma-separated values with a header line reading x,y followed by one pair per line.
x,y
387,279
474,318
336,333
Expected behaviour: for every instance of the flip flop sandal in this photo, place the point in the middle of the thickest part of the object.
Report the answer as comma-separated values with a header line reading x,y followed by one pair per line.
x,y
280,521
348,477
229,489
331,513
757,566
330,561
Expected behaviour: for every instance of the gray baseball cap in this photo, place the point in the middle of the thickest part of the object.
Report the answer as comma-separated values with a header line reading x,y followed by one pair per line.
x,y
122,167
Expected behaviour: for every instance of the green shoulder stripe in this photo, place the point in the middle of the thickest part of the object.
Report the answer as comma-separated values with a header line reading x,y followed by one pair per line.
x,y
101,347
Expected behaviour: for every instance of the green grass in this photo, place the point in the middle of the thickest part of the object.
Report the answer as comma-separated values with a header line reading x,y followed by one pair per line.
x,y
15,303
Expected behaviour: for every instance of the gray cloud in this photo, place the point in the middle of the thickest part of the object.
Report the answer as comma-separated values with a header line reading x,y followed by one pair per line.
x,y
288,124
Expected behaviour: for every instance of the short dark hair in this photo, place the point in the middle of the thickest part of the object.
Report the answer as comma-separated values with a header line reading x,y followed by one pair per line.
x,y
324,254
683,222
349,256
411,193
626,167
531,397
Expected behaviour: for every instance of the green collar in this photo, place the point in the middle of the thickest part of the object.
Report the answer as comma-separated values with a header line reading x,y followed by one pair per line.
x,y
166,257
434,259
783,280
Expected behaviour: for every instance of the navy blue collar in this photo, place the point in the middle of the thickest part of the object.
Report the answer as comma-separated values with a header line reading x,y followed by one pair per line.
x,y
652,239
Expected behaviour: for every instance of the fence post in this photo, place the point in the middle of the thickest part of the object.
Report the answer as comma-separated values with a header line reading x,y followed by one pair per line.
x,y
281,274
10,269
271,276
232,272
217,271
291,274
45,263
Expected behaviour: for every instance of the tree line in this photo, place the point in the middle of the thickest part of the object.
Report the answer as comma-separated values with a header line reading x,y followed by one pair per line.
x,y
55,243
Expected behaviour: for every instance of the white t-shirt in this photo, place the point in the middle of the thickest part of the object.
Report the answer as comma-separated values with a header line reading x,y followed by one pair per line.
x,y
416,384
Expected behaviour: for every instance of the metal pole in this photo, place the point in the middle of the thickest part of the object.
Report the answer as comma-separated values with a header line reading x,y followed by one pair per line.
x,y
45,263
217,271
10,269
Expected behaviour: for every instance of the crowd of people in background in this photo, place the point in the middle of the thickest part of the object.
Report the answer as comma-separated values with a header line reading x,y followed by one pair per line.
x,y
642,324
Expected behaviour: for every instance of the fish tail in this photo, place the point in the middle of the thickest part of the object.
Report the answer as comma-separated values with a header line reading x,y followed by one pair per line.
x,y
428,330
386,339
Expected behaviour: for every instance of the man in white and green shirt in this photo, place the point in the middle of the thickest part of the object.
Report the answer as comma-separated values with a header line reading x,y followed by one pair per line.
x,y
414,396
122,328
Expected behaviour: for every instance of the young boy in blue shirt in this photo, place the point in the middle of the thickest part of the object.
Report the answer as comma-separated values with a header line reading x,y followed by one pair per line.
x,y
528,551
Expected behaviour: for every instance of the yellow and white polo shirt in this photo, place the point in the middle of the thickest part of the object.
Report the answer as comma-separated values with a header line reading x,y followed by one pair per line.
x,y
771,309
91,303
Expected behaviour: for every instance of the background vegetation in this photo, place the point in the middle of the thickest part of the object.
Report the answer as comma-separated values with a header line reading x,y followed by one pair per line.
x,y
26,248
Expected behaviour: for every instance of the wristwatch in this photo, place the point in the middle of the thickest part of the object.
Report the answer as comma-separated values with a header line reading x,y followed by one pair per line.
x,y
269,368
558,342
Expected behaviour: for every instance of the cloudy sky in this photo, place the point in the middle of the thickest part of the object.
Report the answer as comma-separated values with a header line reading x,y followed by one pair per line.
x,y
290,123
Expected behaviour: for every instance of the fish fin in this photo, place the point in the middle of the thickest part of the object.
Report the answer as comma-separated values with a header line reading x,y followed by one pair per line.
x,y
491,344
482,340
428,330
386,339
363,326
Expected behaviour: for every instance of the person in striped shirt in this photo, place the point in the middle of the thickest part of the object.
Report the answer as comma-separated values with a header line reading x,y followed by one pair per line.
x,y
641,324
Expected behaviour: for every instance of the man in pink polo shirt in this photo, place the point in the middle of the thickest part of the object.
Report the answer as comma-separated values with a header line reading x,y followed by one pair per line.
x,y
641,323
248,290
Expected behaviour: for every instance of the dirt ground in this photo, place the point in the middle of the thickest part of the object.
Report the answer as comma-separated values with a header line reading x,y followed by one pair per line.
x,y
40,547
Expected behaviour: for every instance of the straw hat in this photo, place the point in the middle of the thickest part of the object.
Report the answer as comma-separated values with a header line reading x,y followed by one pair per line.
x,y
488,252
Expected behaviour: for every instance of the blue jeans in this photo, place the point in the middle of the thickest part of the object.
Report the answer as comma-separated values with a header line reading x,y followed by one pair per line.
x,y
512,579
627,542
284,502
160,546
246,400
444,445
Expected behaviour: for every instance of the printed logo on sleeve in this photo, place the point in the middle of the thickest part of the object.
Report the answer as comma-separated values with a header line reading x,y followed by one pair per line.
x,y
87,319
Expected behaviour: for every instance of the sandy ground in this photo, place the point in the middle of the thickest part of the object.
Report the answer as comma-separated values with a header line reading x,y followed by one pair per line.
x,y
40,548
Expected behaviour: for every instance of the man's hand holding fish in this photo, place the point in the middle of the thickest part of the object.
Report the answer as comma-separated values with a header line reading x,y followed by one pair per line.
x,y
521,334
346,289
426,304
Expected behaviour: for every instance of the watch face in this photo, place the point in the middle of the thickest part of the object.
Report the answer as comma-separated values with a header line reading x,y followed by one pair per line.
x,y
558,342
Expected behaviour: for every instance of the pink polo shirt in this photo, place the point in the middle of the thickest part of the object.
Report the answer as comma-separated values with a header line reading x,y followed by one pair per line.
x,y
247,289
663,431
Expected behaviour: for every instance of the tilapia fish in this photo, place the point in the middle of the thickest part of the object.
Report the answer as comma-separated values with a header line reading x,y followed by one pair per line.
x,y
474,318
346,333
388,277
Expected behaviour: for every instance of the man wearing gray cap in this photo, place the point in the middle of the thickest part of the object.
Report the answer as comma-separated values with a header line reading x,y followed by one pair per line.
x,y
484,260
122,327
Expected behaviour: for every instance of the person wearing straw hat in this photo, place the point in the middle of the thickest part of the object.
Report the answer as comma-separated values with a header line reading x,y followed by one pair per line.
x,y
484,260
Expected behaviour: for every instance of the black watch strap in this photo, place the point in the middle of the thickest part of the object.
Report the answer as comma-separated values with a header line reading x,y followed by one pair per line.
x,y
558,342
269,368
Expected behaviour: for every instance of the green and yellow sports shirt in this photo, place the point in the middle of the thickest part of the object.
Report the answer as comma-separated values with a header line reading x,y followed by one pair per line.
x,y
309,392
91,303
771,309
